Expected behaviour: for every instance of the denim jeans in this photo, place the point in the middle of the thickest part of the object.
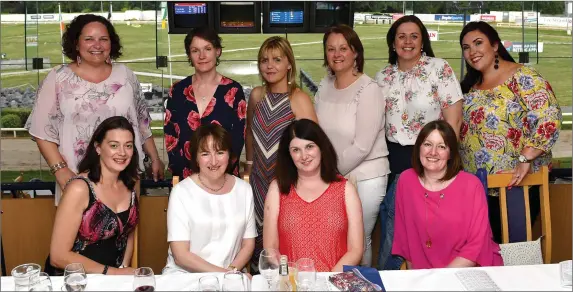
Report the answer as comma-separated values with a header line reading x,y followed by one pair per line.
x,y
387,261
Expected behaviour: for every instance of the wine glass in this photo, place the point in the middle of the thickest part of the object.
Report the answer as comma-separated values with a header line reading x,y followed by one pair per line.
x,y
75,278
209,283
269,264
40,282
305,274
144,280
233,281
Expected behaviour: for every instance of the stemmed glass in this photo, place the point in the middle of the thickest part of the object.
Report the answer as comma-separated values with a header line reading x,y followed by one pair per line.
x,y
233,281
209,283
306,274
40,282
269,261
143,280
75,278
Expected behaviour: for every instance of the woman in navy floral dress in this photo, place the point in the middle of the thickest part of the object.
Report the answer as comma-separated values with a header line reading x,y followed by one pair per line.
x,y
202,98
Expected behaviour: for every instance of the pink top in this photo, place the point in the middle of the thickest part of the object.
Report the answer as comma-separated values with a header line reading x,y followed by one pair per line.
x,y
317,229
457,224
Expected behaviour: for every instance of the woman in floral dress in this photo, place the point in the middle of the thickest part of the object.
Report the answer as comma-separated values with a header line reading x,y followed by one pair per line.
x,y
511,118
202,98
418,88
75,98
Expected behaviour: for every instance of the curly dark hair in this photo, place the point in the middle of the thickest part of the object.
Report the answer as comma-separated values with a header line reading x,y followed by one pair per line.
x,y
74,29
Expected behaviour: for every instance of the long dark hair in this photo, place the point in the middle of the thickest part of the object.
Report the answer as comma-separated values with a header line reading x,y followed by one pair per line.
x,y
391,36
91,161
474,76
286,171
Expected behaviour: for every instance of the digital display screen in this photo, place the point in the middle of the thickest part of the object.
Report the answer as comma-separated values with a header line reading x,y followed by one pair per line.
x,y
237,14
190,14
287,17
190,8
286,13
330,13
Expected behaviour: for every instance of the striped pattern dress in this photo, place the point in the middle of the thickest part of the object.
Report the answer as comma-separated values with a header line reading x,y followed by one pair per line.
x,y
271,117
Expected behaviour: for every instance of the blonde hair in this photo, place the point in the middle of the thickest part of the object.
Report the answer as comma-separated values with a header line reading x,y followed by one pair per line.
x,y
283,46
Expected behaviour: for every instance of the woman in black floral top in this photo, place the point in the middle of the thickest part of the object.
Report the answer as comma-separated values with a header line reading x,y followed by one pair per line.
x,y
202,98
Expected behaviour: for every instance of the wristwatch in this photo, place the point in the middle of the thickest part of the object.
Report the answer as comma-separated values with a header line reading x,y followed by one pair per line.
x,y
523,159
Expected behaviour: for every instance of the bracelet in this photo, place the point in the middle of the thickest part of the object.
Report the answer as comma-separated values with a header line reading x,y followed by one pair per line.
x,y
105,269
58,166
232,268
249,162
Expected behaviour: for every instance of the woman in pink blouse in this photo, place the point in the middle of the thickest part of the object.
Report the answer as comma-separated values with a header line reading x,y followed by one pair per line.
x,y
441,211
418,88
75,98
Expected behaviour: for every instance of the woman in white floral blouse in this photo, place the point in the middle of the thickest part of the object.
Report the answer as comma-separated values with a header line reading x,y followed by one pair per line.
x,y
418,89
75,98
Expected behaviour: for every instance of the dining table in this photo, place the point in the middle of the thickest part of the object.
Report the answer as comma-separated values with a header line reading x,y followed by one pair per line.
x,y
545,277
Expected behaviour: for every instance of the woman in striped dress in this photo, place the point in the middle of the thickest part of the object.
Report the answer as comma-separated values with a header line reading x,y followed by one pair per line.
x,y
271,108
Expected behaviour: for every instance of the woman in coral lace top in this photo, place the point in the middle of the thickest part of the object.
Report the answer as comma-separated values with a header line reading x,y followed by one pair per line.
x,y
311,211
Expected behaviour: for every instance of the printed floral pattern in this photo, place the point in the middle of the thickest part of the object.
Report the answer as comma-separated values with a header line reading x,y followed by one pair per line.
x,y
416,97
68,109
500,122
228,109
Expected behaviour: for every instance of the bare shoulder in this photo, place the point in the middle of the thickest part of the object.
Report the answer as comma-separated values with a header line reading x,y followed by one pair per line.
x,y
76,192
299,96
256,94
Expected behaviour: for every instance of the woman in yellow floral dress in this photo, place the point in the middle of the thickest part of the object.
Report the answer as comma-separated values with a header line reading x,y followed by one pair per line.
x,y
511,116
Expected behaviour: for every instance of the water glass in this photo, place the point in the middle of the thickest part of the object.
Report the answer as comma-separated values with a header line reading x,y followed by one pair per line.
x,y
75,278
292,274
233,281
144,280
209,283
40,282
306,274
22,275
269,261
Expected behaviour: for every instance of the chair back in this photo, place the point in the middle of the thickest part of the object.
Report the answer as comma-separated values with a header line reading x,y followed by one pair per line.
x,y
540,178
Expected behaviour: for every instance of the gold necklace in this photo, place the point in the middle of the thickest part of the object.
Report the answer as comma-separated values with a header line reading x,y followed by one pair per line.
x,y
429,238
213,190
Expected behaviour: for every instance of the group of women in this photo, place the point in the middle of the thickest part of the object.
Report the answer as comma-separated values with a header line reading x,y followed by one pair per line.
x,y
401,145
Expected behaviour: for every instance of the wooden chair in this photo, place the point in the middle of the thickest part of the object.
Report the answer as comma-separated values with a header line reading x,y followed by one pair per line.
x,y
135,255
540,178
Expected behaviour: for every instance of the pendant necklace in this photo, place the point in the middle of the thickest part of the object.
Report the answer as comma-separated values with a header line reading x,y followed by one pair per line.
x,y
429,238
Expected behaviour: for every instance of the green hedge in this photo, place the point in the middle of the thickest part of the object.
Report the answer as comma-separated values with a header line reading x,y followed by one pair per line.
x,y
22,113
10,121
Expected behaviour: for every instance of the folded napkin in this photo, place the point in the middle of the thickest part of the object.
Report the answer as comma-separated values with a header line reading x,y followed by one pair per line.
x,y
369,273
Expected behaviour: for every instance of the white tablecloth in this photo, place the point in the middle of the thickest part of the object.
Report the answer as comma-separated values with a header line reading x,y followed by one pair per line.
x,y
511,278
538,278
98,282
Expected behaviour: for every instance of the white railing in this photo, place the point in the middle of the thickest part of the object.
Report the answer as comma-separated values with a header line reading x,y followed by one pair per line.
x,y
14,130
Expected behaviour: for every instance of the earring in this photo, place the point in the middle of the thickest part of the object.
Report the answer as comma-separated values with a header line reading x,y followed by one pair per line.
x,y
288,74
108,60
496,66
79,60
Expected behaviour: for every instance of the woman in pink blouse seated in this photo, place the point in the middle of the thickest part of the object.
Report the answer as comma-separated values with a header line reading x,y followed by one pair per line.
x,y
441,211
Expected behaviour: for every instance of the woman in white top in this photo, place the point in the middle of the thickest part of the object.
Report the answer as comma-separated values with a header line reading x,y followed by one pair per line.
x,y
210,218
350,109
418,89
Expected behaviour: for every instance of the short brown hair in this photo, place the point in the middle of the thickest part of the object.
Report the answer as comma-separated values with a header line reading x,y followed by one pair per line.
x,y
353,41
221,141
450,139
